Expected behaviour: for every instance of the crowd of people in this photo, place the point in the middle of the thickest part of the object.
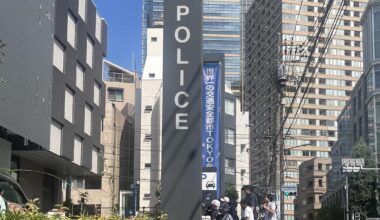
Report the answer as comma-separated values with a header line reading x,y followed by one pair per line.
x,y
224,209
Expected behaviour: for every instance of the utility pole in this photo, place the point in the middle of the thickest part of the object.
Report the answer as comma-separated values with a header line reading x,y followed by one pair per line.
x,y
278,155
347,206
279,141
114,159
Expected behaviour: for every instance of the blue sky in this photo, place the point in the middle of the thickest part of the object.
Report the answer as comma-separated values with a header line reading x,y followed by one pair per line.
x,y
124,30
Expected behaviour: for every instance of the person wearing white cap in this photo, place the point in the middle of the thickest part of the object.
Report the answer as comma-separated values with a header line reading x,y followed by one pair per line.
x,y
225,199
224,202
215,204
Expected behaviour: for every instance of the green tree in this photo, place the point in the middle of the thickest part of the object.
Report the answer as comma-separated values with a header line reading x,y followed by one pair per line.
x,y
329,213
232,193
362,185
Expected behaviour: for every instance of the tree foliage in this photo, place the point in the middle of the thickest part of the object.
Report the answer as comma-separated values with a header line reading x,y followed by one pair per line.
x,y
329,213
362,185
232,193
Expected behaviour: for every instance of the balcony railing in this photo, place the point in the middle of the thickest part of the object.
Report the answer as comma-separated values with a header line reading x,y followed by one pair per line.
x,y
119,77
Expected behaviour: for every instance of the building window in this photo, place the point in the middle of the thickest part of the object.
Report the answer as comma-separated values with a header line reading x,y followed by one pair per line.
x,y
376,19
80,77
289,217
148,108
90,52
82,9
229,166
78,183
69,105
78,150
320,183
55,137
115,94
229,107
148,137
58,56
148,165
319,166
289,206
377,79
152,75
98,28
229,136
87,119
71,30
153,39
97,93
146,195
94,160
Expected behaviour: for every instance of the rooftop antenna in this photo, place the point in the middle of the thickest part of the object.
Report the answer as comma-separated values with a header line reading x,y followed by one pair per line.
x,y
134,68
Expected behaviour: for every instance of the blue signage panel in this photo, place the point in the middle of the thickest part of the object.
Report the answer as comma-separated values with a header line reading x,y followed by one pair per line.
x,y
211,105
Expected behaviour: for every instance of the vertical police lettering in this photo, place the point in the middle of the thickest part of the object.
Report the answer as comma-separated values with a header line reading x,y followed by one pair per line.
x,y
182,36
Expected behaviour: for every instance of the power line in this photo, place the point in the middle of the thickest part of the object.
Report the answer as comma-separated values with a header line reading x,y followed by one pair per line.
x,y
331,34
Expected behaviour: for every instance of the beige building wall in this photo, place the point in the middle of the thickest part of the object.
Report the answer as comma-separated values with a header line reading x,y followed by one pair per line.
x,y
311,187
116,138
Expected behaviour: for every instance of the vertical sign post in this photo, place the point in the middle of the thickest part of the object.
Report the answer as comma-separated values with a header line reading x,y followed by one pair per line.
x,y
181,125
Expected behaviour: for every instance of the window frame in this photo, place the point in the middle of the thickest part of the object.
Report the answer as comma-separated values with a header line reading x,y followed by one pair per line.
x,y
90,50
115,99
75,157
228,136
375,41
83,72
97,92
229,106
67,116
61,47
70,17
87,106
83,16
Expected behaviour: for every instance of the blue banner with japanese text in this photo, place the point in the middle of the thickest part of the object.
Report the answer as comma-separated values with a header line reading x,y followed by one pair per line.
x,y
211,105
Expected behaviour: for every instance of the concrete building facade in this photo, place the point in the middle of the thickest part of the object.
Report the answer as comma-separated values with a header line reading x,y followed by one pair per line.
x,y
311,187
237,157
148,151
118,139
273,30
53,106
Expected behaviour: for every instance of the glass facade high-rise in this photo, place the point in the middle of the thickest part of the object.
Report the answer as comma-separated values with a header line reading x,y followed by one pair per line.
x,y
222,22
221,34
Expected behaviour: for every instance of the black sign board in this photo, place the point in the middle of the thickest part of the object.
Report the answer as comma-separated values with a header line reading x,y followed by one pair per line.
x,y
181,124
